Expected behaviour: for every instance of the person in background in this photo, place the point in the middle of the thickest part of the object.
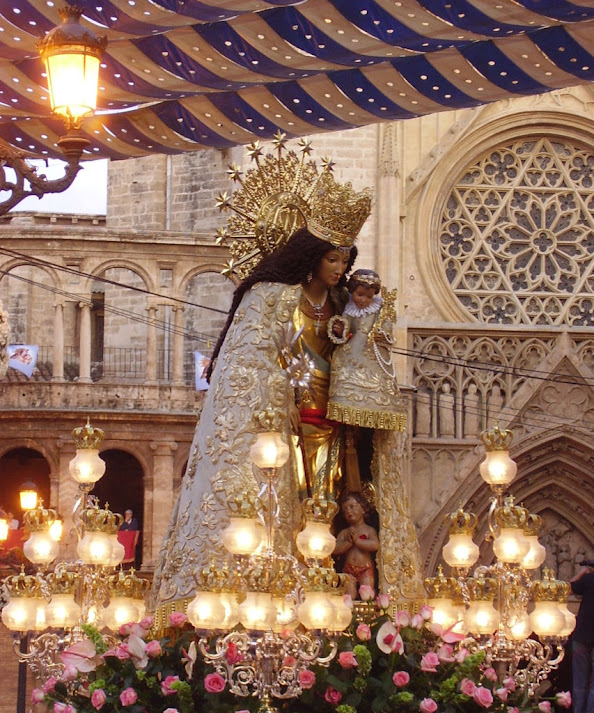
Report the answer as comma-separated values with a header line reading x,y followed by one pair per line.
x,y
13,523
128,535
582,641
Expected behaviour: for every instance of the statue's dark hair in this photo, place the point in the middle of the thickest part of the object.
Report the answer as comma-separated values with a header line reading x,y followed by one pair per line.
x,y
354,282
289,265
361,499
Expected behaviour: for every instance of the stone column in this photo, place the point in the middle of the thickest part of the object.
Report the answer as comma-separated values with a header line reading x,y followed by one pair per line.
x,y
151,346
84,374
162,498
58,355
178,345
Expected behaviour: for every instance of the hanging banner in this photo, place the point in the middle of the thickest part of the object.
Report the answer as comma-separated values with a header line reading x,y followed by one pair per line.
x,y
22,357
201,363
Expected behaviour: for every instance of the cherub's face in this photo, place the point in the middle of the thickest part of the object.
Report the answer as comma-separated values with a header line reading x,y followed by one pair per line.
x,y
352,510
363,295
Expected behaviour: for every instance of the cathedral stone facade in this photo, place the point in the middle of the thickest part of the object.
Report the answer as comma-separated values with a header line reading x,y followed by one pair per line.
x,y
484,221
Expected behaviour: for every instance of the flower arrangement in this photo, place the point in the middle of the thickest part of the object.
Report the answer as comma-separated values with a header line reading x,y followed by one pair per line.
x,y
399,663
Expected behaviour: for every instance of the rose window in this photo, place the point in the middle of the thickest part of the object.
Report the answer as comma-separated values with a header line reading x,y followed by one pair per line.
x,y
516,235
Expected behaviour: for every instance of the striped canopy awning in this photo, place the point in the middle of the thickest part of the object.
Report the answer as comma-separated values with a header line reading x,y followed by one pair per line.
x,y
181,75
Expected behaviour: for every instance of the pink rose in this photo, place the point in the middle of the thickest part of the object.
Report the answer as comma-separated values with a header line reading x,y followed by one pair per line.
x,y
430,662
483,697
174,710
467,687
563,699
125,629
307,679
37,695
289,662
509,683
69,673
491,674
502,693
213,683
363,632
544,707
59,707
166,689
402,618
347,659
461,655
49,685
513,710
428,705
426,612
445,653
147,622
128,697
332,695
232,654
383,601
177,619
400,678
98,699
122,652
417,621
153,649
366,593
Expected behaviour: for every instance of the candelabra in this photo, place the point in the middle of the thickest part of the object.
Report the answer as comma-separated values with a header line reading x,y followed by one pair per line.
x,y
47,609
268,617
518,622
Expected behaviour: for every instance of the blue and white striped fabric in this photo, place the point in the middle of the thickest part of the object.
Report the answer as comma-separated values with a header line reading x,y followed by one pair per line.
x,y
181,75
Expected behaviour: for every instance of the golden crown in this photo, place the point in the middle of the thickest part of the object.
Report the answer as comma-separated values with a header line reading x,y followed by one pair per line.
x,y
319,510
440,586
62,581
214,578
87,437
338,212
509,515
127,584
497,439
96,519
460,522
324,579
280,194
481,588
40,519
549,589
532,525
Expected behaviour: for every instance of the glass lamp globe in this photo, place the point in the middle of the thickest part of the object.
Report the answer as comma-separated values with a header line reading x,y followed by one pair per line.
x,y
511,545
498,469
536,555
481,617
206,611
117,551
121,610
62,612
444,612
286,614
28,496
547,619
140,605
95,548
461,551
87,467
569,625
20,614
316,611
243,535
518,626
316,541
56,529
343,614
41,548
3,529
269,451
257,612
229,602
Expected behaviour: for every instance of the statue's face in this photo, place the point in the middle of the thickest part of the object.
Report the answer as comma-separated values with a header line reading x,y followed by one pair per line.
x,y
352,510
332,267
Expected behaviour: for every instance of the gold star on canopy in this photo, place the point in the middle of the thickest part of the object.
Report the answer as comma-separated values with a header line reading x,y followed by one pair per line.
x,y
221,235
327,164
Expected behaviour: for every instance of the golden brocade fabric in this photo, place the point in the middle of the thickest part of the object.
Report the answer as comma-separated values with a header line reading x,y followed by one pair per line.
x,y
363,387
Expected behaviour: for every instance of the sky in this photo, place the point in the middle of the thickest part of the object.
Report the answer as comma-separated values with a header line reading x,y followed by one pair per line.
x,y
87,195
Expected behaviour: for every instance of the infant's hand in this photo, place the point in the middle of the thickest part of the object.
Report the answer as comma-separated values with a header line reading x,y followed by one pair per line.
x,y
337,329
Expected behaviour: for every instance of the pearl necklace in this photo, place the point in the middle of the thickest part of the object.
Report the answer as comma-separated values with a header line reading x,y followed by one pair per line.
x,y
318,308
